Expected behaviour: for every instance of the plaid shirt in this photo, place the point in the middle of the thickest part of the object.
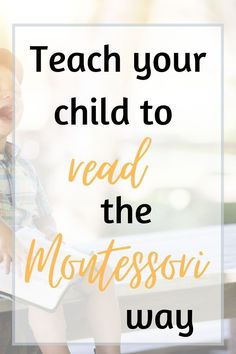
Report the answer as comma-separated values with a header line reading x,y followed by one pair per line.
x,y
20,191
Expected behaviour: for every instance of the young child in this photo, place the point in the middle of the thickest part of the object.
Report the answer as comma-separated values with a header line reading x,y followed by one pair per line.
x,y
32,211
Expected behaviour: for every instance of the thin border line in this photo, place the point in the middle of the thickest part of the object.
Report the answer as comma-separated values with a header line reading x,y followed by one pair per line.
x,y
14,179
222,186
221,26
117,25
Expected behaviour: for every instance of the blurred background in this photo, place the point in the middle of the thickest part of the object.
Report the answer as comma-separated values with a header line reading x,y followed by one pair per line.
x,y
175,198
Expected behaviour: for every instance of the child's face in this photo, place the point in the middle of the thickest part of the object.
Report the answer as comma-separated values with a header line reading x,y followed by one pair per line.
x,y
6,102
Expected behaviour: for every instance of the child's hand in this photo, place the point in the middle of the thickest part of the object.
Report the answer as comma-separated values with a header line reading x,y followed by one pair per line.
x,y
6,251
6,104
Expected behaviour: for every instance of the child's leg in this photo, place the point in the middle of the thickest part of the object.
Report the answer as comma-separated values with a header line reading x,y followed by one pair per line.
x,y
6,345
49,327
104,319
54,349
107,349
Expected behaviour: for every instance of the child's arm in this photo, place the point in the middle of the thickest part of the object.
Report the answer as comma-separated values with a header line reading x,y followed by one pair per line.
x,y
5,245
45,221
